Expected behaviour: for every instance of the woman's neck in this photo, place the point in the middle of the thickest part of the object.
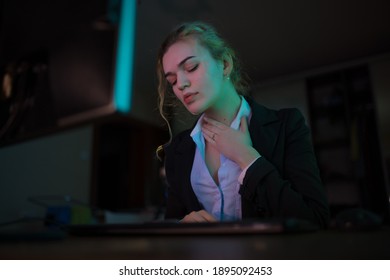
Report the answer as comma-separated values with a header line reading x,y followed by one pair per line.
x,y
226,108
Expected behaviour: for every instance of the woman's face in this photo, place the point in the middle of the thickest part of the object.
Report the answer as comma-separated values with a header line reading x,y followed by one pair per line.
x,y
197,79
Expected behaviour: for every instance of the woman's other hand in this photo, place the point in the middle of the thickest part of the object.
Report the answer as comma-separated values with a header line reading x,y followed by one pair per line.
x,y
201,216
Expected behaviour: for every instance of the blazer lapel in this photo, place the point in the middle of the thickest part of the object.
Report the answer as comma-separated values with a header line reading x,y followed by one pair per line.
x,y
184,159
264,129
185,154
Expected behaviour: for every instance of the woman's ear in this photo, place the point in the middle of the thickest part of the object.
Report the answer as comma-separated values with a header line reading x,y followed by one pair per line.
x,y
227,65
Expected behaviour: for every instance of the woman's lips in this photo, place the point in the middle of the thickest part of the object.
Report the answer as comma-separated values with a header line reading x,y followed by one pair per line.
x,y
189,98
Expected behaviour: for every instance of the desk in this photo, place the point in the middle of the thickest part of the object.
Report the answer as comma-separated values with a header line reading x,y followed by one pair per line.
x,y
327,244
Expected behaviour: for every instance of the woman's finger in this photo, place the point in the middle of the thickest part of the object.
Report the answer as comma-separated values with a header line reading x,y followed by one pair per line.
x,y
207,216
213,124
209,135
198,217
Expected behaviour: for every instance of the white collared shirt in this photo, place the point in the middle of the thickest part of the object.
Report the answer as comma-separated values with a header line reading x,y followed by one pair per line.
x,y
222,201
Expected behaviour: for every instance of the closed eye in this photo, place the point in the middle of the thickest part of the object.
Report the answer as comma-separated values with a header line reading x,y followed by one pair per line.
x,y
171,77
192,69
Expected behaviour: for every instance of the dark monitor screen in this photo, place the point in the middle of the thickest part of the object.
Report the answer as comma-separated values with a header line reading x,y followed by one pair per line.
x,y
63,62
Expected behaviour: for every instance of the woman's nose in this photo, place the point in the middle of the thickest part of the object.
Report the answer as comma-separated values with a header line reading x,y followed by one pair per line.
x,y
182,82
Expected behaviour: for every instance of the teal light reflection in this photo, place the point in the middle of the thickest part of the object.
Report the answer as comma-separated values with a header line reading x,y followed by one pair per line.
x,y
125,57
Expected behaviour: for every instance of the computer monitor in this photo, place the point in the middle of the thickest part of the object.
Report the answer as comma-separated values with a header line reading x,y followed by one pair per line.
x,y
63,63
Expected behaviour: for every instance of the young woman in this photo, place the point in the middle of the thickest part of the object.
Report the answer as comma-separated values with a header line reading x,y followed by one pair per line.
x,y
240,160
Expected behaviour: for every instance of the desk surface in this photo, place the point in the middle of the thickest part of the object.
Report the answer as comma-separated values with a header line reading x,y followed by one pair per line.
x,y
328,244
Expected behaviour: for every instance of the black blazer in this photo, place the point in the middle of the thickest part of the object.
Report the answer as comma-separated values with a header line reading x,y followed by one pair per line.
x,y
283,183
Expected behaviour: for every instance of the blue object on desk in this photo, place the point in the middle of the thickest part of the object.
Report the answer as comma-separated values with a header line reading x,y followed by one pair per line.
x,y
58,215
